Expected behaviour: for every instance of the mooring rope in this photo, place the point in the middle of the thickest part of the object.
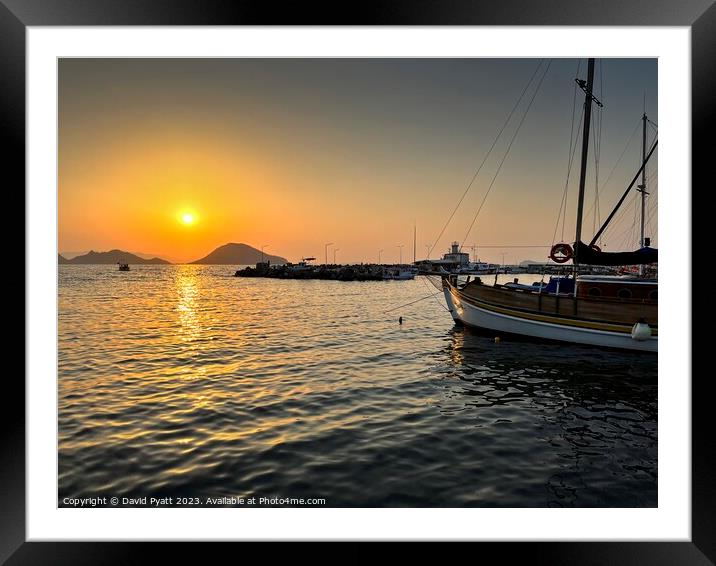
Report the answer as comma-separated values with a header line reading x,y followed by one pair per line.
x,y
413,302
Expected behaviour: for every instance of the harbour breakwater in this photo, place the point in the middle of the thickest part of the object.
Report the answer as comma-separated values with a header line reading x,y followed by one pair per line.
x,y
360,272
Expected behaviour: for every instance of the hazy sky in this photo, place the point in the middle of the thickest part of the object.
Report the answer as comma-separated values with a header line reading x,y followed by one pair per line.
x,y
295,153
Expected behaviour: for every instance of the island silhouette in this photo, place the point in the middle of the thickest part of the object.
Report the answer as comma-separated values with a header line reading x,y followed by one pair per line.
x,y
112,256
228,254
241,254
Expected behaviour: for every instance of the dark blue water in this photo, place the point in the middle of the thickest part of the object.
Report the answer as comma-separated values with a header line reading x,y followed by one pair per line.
x,y
183,382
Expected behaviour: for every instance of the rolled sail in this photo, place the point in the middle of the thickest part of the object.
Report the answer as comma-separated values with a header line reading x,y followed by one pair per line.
x,y
591,256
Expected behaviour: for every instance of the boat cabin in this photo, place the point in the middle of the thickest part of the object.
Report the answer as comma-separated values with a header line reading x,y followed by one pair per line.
x,y
622,287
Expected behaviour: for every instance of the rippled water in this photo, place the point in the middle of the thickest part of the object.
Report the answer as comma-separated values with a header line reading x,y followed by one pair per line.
x,y
182,381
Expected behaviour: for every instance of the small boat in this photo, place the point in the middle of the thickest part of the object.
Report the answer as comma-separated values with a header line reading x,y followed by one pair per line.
x,y
301,266
123,266
398,274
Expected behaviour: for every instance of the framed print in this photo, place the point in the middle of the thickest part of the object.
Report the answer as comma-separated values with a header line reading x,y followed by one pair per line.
x,y
292,278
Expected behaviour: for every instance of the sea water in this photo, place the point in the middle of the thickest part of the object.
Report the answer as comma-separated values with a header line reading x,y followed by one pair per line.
x,y
186,385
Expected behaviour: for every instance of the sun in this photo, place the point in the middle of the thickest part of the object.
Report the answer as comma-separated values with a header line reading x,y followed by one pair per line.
x,y
188,218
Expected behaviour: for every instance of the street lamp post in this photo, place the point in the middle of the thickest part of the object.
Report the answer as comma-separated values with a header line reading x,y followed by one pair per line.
x,y
262,251
334,255
326,251
379,252
400,247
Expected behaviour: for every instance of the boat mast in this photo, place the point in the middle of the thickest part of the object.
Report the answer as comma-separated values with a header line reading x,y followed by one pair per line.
x,y
415,231
586,86
626,192
642,188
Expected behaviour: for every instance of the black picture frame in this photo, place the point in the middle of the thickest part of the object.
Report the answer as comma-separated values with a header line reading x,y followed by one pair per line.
x,y
16,15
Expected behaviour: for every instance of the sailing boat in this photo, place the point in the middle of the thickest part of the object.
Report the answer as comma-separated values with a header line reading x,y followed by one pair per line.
x,y
608,311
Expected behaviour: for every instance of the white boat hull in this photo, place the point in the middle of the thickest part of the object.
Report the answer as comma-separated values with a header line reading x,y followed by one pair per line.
x,y
483,317
403,275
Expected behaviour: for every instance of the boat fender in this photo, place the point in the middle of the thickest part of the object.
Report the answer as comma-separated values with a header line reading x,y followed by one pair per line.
x,y
561,253
497,339
641,331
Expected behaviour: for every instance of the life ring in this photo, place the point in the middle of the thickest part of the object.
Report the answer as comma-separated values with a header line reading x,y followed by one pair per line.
x,y
561,253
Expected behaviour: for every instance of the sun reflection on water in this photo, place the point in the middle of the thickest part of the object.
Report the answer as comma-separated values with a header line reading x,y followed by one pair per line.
x,y
186,283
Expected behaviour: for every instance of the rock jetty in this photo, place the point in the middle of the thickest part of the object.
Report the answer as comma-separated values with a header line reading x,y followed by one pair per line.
x,y
361,272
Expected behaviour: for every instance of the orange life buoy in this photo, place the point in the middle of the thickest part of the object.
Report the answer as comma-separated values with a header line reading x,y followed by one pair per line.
x,y
561,253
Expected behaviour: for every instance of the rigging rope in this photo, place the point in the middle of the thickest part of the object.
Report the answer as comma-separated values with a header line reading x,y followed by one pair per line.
x,y
563,213
595,143
570,159
598,149
617,222
628,143
436,281
435,295
494,142
635,223
507,152
627,234
653,226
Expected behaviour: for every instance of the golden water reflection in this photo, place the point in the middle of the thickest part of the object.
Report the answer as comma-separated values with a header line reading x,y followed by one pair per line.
x,y
187,285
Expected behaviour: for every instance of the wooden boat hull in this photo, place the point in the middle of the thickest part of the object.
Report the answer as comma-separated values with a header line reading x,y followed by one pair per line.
x,y
488,308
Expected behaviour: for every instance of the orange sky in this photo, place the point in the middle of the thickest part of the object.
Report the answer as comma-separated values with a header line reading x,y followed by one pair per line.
x,y
297,153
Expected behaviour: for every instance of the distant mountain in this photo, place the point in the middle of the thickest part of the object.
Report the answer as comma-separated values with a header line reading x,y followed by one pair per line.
x,y
170,259
70,255
238,254
61,259
113,256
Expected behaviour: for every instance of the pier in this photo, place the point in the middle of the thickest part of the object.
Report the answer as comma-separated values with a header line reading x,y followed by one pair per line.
x,y
358,272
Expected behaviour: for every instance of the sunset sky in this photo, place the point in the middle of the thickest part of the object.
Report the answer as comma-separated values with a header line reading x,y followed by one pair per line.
x,y
175,157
